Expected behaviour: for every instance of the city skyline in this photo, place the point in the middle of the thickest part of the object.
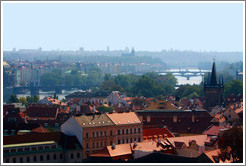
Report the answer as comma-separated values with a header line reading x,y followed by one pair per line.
x,y
94,26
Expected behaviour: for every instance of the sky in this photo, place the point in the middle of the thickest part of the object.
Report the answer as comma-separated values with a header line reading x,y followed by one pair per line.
x,y
144,26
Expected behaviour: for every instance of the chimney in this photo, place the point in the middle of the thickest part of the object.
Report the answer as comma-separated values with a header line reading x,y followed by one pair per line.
x,y
201,149
113,146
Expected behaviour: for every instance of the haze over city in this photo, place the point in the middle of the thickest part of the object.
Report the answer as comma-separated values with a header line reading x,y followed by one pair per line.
x,y
144,26
123,82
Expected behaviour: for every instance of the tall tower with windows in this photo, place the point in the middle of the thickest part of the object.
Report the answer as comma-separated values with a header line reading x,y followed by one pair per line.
x,y
213,89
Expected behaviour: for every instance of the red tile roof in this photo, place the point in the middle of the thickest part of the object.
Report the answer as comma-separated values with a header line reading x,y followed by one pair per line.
x,y
214,130
157,131
40,129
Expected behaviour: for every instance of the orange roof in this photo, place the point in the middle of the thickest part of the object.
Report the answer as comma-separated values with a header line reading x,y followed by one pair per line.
x,y
119,150
200,139
219,117
212,154
147,146
127,98
40,129
124,118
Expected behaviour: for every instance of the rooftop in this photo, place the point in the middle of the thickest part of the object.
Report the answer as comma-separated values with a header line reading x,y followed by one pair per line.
x,y
29,144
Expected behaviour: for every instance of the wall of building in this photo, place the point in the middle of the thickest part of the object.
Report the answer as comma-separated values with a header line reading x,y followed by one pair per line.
x,y
72,128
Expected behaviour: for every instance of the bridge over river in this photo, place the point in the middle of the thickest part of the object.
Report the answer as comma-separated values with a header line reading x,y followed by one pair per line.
x,y
185,72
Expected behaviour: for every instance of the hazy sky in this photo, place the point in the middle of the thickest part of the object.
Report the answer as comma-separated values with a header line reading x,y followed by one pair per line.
x,y
144,26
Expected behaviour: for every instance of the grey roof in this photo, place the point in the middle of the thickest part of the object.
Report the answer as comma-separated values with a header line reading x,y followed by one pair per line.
x,y
94,120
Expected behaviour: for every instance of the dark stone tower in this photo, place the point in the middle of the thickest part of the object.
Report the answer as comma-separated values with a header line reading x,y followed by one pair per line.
x,y
213,89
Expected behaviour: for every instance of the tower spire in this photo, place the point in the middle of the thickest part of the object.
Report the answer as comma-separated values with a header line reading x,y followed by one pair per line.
x,y
213,79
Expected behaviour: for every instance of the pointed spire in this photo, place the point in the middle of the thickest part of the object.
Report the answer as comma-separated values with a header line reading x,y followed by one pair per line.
x,y
213,78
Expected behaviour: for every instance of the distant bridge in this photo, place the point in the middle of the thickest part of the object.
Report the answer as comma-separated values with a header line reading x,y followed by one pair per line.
x,y
185,73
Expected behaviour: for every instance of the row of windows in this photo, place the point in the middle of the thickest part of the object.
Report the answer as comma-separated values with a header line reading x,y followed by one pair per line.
x,y
128,131
35,158
41,158
100,144
34,148
131,140
99,134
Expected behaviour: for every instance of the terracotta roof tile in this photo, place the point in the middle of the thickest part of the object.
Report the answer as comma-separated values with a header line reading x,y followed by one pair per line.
x,y
124,118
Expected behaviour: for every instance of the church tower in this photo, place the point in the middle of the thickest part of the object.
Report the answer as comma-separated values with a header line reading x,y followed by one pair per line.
x,y
213,89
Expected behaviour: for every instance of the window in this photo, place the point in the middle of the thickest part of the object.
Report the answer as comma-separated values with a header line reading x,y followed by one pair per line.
x,y
71,155
61,156
40,148
87,145
123,141
41,158
111,142
11,119
111,133
14,160
6,151
87,135
97,144
148,118
28,159
101,144
27,149
101,133
118,132
20,150
175,118
93,145
34,148
78,155
139,139
34,158
126,131
123,131
127,141
131,140
105,133
46,147
54,156
21,160
139,130
7,161
135,139
130,131
135,131
93,134
105,143
97,134
118,141
48,157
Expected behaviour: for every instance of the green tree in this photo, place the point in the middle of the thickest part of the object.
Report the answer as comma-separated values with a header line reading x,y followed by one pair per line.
x,y
107,77
13,99
235,87
104,109
189,91
23,100
36,98
55,96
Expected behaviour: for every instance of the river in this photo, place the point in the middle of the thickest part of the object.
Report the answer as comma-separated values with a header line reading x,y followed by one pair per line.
x,y
181,80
